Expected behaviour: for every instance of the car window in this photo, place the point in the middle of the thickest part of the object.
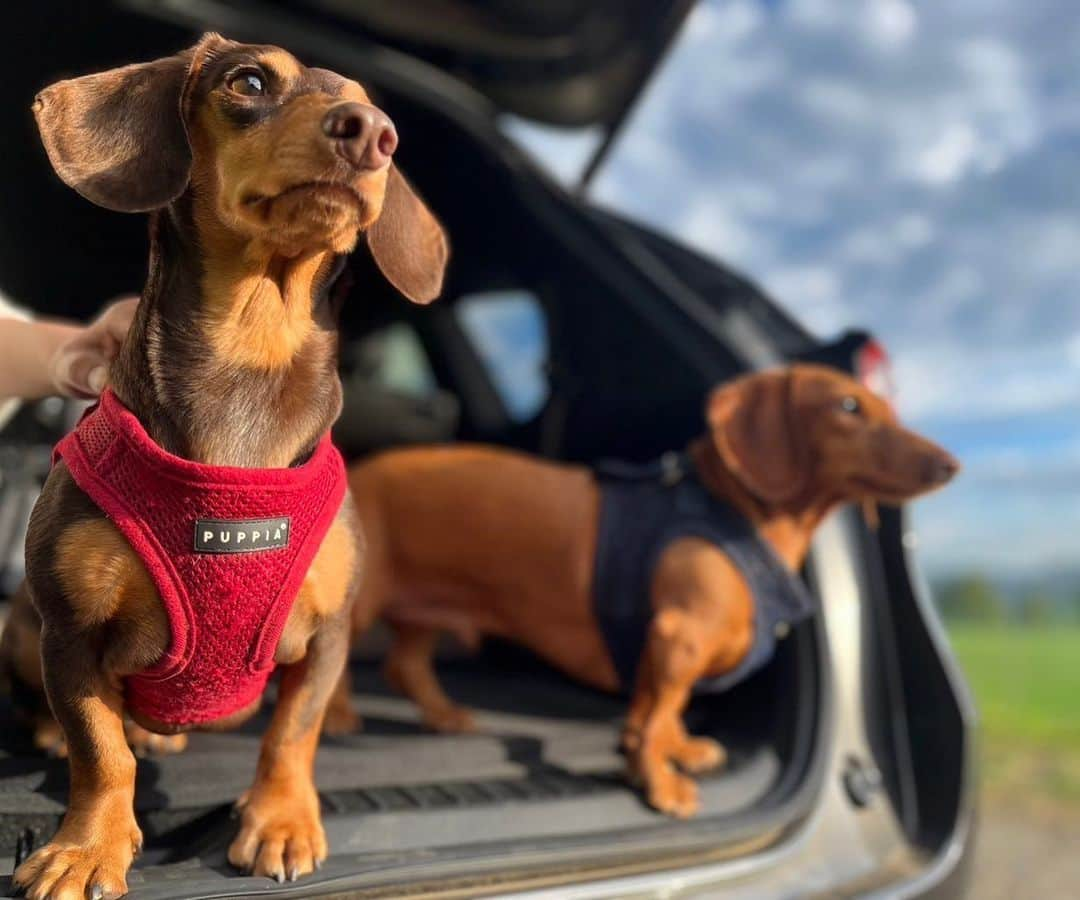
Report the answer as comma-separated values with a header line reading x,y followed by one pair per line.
x,y
394,357
509,333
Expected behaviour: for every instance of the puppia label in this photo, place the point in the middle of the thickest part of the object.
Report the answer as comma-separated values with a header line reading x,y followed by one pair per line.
x,y
241,535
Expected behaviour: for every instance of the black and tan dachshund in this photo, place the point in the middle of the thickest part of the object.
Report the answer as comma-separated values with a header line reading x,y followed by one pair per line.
x,y
260,174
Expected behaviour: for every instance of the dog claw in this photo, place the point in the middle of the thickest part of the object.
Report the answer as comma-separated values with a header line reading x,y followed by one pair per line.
x,y
279,835
318,864
97,892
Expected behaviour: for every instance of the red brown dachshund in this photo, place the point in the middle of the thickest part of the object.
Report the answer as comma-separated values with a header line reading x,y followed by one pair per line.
x,y
476,540
260,174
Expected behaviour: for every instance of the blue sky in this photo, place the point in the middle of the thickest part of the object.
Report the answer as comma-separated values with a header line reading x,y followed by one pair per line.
x,y
910,168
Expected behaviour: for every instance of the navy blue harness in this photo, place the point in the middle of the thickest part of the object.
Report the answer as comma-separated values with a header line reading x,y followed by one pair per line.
x,y
643,509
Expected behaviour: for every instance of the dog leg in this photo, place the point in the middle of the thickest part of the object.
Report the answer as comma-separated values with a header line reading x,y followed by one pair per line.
x,y
696,754
20,674
90,854
410,670
281,834
148,743
48,736
674,659
642,702
341,717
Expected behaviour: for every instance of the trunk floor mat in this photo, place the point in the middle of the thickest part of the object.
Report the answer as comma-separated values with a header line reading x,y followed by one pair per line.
x,y
543,762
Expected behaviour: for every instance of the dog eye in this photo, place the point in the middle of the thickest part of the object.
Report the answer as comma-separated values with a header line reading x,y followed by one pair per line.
x,y
851,405
247,84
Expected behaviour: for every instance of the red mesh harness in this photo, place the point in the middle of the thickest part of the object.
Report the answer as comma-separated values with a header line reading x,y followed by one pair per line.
x,y
228,549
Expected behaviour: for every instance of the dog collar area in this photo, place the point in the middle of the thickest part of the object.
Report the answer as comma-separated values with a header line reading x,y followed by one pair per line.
x,y
116,418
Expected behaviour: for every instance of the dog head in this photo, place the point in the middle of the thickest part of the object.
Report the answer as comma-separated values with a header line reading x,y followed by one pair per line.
x,y
272,151
809,433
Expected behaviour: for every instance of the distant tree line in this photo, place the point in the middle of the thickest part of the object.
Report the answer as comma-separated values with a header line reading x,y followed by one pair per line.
x,y
975,598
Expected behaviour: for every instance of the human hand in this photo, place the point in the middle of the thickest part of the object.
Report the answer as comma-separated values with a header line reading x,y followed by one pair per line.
x,y
79,366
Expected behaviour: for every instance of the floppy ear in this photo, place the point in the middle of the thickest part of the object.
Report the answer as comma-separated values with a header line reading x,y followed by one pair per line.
x,y
119,138
754,431
408,243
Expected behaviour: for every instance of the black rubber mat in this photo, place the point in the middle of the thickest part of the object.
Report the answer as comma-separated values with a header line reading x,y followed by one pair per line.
x,y
544,761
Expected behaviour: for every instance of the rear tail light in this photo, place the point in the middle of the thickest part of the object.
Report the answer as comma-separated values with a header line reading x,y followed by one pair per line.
x,y
874,370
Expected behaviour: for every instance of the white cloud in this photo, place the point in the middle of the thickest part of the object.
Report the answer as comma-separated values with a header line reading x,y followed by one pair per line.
x,y
955,381
725,25
889,23
835,99
717,232
913,230
960,284
814,289
886,243
815,14
1052,245
563,152
949,156
1010,540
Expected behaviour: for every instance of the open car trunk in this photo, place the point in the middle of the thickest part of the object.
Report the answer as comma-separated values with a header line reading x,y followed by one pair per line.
x,y
624,334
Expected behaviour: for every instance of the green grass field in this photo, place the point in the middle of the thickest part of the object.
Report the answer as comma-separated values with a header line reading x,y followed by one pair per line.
x,y
1027,686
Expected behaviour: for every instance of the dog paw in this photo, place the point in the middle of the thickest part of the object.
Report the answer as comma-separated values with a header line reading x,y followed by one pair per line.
x,y
450,720
699,754
49,738
341,719
630,741
672,793
147,743
74,870
281,834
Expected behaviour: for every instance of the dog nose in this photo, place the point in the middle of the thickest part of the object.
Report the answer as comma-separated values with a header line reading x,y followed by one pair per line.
x,y
941,468
362,135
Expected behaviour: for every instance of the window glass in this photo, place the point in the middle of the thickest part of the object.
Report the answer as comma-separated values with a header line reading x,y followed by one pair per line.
x,y
509,333
394,358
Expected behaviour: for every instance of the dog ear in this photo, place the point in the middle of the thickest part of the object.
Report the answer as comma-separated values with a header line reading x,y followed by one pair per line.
x,y
754,430
408,243
119,137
